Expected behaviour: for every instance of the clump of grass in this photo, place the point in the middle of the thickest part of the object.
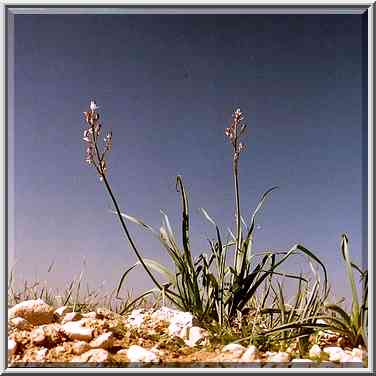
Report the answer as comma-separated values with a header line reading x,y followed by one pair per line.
x,y
313,313
195,286
218,293
353,326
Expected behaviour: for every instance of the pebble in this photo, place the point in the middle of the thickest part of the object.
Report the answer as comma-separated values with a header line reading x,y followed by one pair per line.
x,y
234,348
12,346
136,318
104,341
75,331
79,347
61,311
40,355
178,320
139,354
250,354
89,315
315,351
20,323
37,312
94,355
71,316
280,357
60,349
335,354
37,336
196,336
358,353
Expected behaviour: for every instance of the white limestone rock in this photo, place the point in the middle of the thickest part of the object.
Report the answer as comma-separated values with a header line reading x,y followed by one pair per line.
x,y
75,331
71,316
89,315
37,312
61,311
234,348
250,354
93,356
315,352
104,341
279,357
79,347
335,353
165,314
136,318
359,353
20,323
139,354
37,336
40,355
12,346
196,335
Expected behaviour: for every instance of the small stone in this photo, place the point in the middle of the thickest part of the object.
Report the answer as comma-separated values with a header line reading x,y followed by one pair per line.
x,y
20,323
315,352
122,352
12,346
61,311
37,312
71,316
177,319
40,355
234,348
139,354
196,336
358,353
75,331
94,356
164,314
178,322
346,358
37,336
184,334
104,313
79,347
335,353
60,349
249,354
136,318
89,315
306,363
280,357
104,341
302,361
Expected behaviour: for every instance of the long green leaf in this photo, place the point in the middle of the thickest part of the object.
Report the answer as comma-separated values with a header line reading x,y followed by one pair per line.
x,y
350,274
122,279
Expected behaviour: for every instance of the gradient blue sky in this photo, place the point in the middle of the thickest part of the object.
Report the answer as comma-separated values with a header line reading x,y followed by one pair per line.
x,y
166,86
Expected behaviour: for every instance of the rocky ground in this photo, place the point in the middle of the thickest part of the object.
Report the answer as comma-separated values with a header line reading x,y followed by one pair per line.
x,y
39,336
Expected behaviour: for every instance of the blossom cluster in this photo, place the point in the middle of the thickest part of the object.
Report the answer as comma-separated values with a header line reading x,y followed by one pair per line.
x,y
91,134
234,132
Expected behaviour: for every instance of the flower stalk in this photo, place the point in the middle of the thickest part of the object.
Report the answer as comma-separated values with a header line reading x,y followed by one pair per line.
x,y
98,159
234,132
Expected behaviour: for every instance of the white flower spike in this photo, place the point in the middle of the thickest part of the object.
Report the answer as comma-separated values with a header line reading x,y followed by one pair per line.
x,y
93,106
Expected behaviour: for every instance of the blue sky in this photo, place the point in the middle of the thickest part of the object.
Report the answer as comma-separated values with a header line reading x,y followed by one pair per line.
x,y
166,86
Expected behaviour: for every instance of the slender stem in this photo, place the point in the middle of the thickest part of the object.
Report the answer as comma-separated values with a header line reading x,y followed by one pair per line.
x,y
125,229
130,240
237,214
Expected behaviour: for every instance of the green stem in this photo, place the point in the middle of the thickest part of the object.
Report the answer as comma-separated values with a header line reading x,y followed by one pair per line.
x,y
237,208
130,240
125,229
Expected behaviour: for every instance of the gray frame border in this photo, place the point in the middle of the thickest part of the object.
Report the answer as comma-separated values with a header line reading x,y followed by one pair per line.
x,y
368,9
